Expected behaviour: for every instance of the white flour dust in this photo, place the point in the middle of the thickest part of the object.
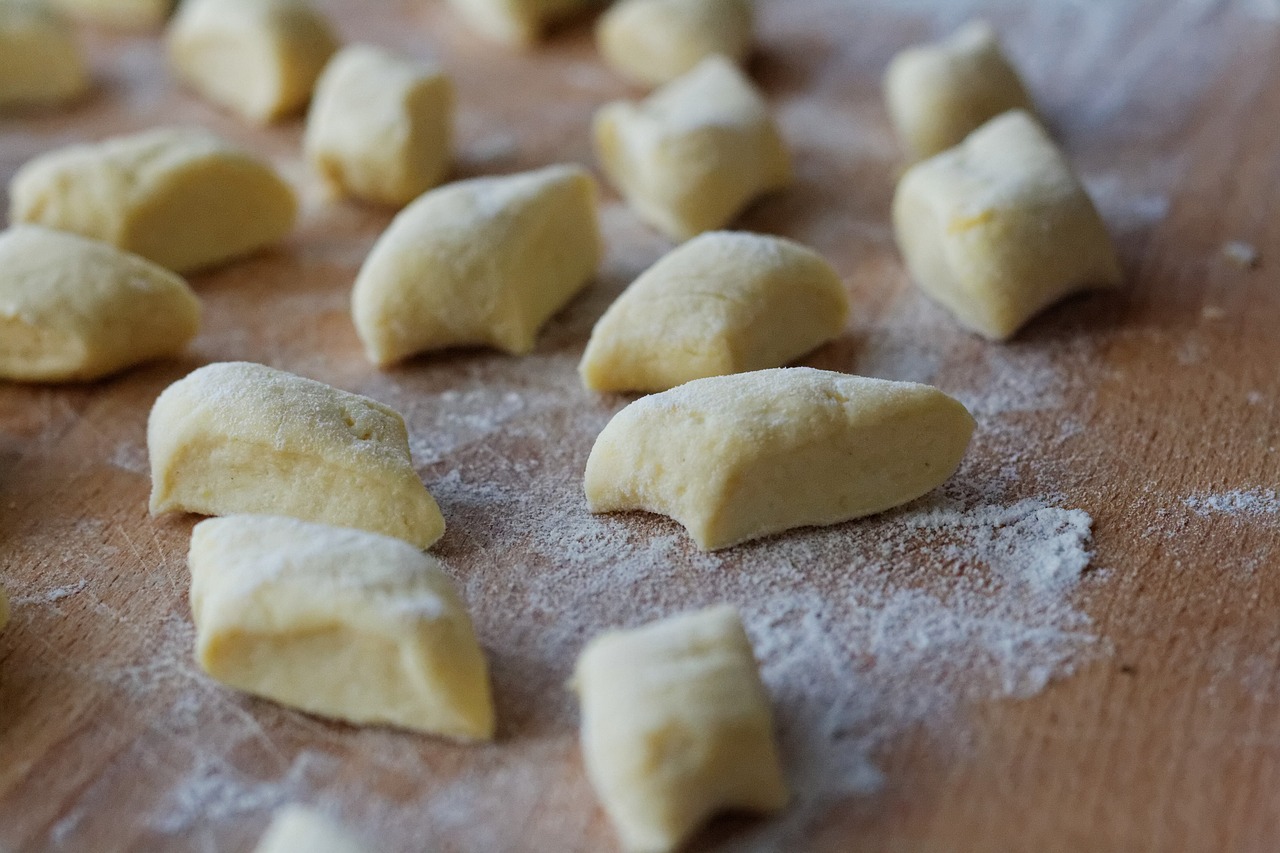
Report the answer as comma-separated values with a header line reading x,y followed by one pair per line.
x,y
1255,503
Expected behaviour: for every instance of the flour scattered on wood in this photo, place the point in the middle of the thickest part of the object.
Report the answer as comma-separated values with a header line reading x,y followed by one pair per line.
x,y
1239,503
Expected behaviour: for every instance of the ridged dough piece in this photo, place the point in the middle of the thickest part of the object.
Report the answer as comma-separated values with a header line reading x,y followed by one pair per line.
x,y
937,94
380,126
696,152
676,726
74,309
655,41
235,437
180,197
480,262
257,58
725,302
516,22
40,62
298,829
734,458
999,228
337,622
128,14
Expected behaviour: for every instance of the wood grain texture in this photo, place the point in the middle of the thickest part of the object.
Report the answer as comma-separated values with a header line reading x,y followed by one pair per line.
x,y
1126,405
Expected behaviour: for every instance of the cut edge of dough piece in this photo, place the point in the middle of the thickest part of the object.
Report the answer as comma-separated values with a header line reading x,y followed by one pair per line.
x,y
724,302
655,41
740,457
337,622
677,726
42,65
241,438
73,309
302,829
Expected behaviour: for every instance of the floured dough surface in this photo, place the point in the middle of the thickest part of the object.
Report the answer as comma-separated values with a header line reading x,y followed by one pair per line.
x,y
236,437
655,41
40,62
181,197
298,829
999,228
76,309
734,458
338,622
676,726
691,156
725,302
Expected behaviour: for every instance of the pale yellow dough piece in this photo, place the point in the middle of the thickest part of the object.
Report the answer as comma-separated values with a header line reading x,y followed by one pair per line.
x,y
258,58
937,94
480,262
132,14
740,457
676,726
696,152
298,829
999,228
655,41
516,22
337,622
380,126
75,309
725,302
236,437
40,62
182,198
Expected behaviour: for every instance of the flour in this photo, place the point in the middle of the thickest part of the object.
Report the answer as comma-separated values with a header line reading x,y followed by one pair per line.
x,y
1243,504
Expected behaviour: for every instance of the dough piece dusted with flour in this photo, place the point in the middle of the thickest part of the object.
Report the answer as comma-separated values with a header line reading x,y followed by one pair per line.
x,y
676,726
75,309
180,197
938,94
722,303
516,22
999,228
692,155
298,829
258,58
479,262
237,437
655,41
337,622
40,62
739,457
380,126
128,14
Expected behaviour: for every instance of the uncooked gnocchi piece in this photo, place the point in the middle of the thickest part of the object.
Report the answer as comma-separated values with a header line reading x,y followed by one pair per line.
x,y
258,58
119,13
692,155
337,622
73,309
298,829
480,262
182,198
676,726
237,437
739,457
516,22
725,302
999,228
40,63
655,41
937,94
380,126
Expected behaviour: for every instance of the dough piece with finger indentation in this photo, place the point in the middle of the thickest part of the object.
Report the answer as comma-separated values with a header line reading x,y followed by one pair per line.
x,y
337,622
236,437
655,41
480,262
696,152
182,198
257,58
76,309
40,62
676,726
725,302
734,458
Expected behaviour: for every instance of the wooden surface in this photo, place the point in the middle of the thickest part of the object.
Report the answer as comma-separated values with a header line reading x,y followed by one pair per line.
x,y
1138,710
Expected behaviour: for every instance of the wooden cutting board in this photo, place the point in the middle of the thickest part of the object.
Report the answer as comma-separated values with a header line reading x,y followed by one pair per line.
x,y
936,687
